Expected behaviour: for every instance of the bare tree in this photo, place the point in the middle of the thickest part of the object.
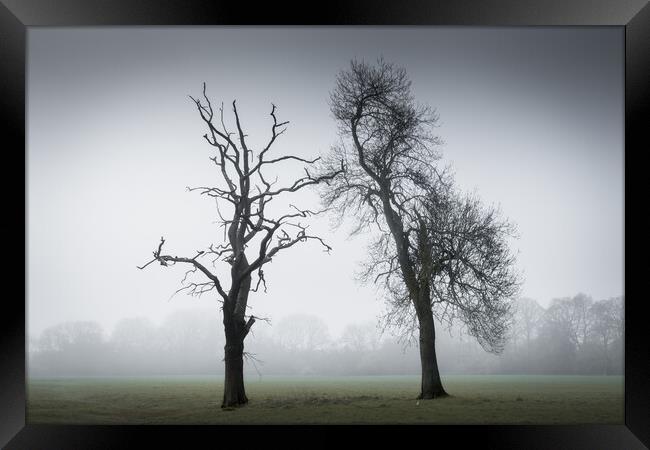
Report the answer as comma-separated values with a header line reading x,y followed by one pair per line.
x,y
437,253
607,321
136,334
242,195
581,304
362,337
302,332
528,317
78,336
573,315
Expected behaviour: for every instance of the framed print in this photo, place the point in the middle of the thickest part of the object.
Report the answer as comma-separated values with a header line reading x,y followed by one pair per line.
x,y
371,219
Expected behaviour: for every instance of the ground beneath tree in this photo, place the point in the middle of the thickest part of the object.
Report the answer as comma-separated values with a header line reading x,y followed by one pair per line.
x,y
473,399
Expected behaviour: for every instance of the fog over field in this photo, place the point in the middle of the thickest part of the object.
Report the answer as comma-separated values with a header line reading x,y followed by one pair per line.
x,y
190,342
532,120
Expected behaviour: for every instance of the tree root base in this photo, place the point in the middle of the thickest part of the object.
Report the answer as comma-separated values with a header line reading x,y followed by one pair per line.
x,y
433,396
233,406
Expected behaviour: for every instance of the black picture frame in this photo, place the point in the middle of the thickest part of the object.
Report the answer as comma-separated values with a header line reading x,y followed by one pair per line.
x,y
17,15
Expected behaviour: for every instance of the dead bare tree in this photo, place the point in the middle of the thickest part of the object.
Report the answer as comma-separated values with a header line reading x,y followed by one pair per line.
x,y
437,253
242,195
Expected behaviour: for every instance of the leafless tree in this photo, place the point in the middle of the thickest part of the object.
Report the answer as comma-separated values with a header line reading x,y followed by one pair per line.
x,y
243,194
528,315
437,253
582,304
361,337
607,326
81,335
134,335
572,315
302,332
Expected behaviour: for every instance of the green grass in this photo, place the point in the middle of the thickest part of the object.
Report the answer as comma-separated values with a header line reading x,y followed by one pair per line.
x,y
474,399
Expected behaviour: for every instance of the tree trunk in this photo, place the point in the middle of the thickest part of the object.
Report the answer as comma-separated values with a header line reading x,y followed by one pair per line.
x,y
234,393
421,297
431,382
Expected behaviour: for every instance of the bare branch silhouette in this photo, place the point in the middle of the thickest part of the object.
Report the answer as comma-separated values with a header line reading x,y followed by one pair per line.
x,y
241,201
437,253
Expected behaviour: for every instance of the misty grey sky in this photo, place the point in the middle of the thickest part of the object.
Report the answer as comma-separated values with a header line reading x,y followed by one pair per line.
x,y
532,119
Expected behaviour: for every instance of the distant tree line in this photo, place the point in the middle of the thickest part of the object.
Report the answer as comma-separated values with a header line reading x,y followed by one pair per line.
x,y
574,335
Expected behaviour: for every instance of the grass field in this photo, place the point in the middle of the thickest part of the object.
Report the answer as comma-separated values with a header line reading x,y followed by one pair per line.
x,y
474,399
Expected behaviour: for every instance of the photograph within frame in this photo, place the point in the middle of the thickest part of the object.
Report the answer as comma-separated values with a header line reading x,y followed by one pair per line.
x,y
529,120
633,36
